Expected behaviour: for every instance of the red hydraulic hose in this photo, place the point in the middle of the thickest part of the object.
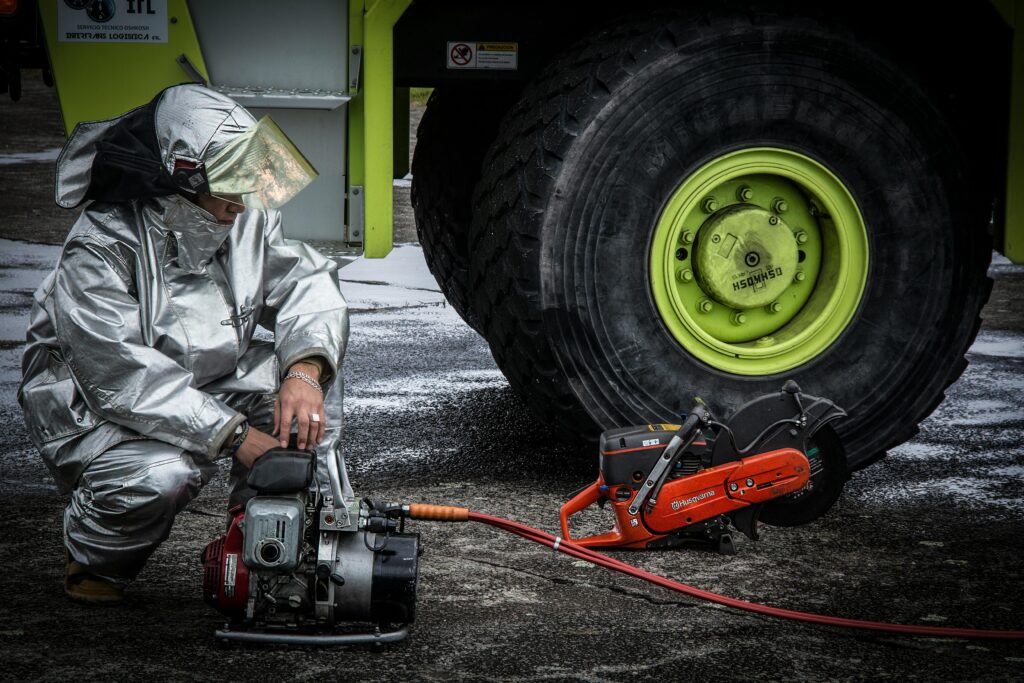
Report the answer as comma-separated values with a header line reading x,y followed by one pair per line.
x,y
573,550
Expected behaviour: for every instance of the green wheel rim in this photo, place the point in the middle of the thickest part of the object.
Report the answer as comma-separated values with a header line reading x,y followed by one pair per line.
x,y
759,261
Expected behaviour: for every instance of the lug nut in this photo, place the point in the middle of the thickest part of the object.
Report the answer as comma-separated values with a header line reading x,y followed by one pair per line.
x,y
800,276
687,237
780,205
705,306
774,307
685,275
773,220
738,318
710,205
744,194
716,238
801,237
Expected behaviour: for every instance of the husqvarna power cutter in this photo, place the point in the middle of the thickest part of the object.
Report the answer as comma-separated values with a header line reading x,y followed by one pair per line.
x,y
672,485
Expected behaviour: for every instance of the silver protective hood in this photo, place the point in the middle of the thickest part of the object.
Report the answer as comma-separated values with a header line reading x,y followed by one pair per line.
x,y
194,123
190,123
187,122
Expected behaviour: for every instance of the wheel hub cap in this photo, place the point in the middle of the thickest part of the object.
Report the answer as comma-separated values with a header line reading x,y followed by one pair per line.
x,y
743,257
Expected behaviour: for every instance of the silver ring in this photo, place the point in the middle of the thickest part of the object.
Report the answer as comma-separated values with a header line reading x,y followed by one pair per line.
x,y
315,417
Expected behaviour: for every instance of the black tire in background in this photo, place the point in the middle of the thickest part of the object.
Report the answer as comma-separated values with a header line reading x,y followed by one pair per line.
x,y
574,184
451,140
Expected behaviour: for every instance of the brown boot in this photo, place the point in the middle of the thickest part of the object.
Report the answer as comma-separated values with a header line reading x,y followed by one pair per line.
x,y
81,586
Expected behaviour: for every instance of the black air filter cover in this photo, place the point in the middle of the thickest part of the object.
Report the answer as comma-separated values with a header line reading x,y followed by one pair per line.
x,y
282,470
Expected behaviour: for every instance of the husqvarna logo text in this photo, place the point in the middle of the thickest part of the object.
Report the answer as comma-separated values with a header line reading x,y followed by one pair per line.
x,y
677,504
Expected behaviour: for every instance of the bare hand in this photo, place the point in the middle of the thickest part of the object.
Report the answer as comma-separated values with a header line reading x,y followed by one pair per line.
x,y
255,445
298,401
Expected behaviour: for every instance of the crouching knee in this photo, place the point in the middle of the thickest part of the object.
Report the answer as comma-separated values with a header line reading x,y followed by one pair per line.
x,y
139,493
166,486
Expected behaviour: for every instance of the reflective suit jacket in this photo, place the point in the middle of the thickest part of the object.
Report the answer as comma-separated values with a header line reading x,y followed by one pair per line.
x,y
148,320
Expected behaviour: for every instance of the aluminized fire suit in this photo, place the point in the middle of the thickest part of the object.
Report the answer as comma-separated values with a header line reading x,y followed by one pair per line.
x,y
141,361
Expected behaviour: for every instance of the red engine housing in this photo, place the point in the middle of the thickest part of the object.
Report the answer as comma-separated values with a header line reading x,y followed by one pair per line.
x,y
225,576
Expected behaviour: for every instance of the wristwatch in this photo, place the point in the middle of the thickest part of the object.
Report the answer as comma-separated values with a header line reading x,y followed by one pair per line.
x,y
232,445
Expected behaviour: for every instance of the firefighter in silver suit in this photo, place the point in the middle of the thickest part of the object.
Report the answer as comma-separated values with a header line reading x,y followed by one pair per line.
x,y
141,369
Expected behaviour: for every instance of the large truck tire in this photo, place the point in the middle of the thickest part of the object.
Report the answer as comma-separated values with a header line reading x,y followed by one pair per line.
x,y
711,205
451,140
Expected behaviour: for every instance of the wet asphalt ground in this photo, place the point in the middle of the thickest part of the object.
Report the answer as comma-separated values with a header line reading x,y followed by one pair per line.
x,y
930,535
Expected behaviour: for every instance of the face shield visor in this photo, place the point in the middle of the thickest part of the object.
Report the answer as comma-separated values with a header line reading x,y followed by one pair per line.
x,y
261,168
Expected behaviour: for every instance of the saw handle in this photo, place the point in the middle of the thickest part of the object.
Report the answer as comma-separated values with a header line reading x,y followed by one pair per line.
x,y
684,436
581,501
698,414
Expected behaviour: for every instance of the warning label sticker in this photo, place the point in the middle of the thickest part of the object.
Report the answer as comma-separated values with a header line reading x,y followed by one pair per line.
x,y
471,54
230,574
112,21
